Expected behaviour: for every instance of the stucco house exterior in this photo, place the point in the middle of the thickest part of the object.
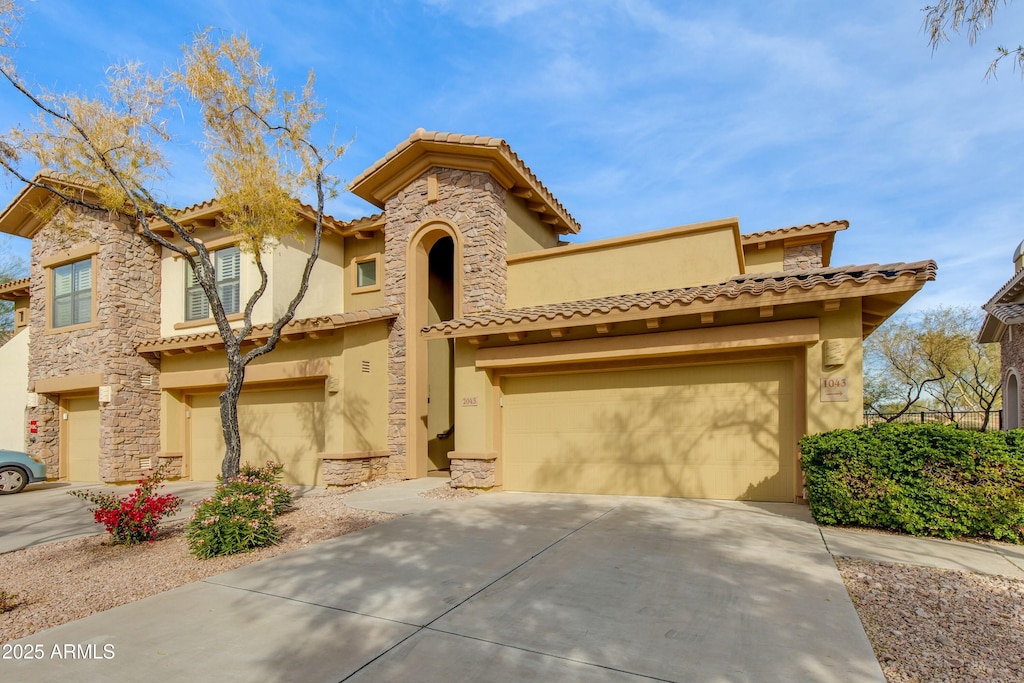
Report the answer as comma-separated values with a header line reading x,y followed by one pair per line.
x,y
453,330
1004,316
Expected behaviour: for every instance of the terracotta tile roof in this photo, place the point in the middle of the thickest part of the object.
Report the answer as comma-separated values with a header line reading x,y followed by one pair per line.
x,y
754,285
1010,290
303,326
474,141
15,288
1008,314
795,231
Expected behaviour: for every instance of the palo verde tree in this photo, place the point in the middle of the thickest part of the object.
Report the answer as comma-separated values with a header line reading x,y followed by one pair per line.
x,y
971,16
260,151
934,359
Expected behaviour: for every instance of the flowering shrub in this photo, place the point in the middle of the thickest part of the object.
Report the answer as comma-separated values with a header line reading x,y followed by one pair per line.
x,y
239,517
134,518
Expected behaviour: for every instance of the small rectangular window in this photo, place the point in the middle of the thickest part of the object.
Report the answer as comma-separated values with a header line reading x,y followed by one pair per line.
x,y
227,264
366,273
71,289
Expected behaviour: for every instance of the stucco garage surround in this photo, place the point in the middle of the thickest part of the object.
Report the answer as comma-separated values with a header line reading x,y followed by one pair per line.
x,y
282,425
705,431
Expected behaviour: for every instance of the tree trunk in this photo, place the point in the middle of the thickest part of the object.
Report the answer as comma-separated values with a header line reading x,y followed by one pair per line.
x,y
229,417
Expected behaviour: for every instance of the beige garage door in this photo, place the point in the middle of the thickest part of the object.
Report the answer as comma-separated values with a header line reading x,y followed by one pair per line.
x,y
716,431
82,435
284,425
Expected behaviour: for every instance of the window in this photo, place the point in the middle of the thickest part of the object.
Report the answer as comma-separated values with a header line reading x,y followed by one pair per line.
x,y
366,274
227,265
71,289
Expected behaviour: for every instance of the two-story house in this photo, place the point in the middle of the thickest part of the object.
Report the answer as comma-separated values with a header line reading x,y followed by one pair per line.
x,y
453,331
1004,324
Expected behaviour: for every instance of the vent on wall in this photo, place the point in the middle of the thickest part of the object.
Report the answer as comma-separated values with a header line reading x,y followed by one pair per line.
x,y
366,366
146,380
145,463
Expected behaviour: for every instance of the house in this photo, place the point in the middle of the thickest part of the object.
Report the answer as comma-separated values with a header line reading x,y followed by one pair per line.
x,y
1004,314
454,331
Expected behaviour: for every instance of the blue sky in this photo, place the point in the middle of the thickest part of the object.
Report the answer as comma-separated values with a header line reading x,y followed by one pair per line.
x,y
637,115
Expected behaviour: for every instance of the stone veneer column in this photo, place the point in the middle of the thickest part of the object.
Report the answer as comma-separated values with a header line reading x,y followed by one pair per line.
x,y
1011,352
802,257
475,203
127,296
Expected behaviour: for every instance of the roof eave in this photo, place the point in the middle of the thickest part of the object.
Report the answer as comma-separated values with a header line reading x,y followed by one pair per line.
x,y
425,150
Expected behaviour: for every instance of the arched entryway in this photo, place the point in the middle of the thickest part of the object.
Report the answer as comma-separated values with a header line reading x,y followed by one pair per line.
x,y
1011,401
433,295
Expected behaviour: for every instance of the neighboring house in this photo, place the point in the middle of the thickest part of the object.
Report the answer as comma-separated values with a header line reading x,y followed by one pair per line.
x,y
1004,315
456,330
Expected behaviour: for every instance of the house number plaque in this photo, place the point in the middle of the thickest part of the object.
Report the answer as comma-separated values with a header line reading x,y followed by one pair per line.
x,y
835,389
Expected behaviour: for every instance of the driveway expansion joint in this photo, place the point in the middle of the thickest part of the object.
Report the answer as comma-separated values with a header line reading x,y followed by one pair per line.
x,y
425,627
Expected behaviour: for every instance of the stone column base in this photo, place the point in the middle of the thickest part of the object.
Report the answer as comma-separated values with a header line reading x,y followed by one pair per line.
x,y
346,469
474,470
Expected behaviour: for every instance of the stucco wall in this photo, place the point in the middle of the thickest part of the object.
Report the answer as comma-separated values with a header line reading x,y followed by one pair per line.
x,y
525,231
640,263
356,249
13,388
844,327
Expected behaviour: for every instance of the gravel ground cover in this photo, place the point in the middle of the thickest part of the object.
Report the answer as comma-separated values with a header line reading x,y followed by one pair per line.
x,y
60,582
929,624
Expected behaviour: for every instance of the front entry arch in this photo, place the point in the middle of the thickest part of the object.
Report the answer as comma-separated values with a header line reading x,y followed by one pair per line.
x,y
433,294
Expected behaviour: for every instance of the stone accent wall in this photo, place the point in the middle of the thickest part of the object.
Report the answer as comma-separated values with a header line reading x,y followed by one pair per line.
x,y
127,295
802,257
473,473
1011,351
475,203
346,472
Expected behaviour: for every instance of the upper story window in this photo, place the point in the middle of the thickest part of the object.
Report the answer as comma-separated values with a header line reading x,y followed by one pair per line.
x,y
227,264
366,276
71,292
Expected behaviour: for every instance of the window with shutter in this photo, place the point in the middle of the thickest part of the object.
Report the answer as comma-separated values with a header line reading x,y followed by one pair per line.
x,y
71,294
227,264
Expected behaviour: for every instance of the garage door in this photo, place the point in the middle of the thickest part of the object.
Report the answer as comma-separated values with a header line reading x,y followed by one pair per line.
x,y
715,431
82,435
284,425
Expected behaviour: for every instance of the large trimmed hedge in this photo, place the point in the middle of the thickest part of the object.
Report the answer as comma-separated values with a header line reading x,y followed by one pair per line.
x,y
922,479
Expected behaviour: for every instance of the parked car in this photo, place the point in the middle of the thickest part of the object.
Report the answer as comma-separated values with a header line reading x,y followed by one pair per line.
x,y
17,471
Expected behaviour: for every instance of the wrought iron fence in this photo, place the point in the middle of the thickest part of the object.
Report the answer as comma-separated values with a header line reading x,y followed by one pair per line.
x,y
964,419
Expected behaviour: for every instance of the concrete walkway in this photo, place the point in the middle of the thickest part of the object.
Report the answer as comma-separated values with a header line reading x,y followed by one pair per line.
x,y
502,587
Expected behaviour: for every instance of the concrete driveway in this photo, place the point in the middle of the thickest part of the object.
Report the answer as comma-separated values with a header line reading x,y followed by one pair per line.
x,y
44,513
504,587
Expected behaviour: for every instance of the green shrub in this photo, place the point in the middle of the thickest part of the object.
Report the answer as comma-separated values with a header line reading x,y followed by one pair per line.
x,y
239,517
922,479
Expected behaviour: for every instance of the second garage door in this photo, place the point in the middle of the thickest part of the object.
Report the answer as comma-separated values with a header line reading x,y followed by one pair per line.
x,y
282,425
712,431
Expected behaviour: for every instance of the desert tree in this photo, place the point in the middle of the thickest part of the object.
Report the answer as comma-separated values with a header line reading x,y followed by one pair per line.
x,y
932,357
261,151
972,17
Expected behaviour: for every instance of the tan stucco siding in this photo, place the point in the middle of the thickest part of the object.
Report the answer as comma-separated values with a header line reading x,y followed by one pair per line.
x,y
355,251
639,264
323,296
475,404
842,327
767,260
13,390
284,265
360,409
524,230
